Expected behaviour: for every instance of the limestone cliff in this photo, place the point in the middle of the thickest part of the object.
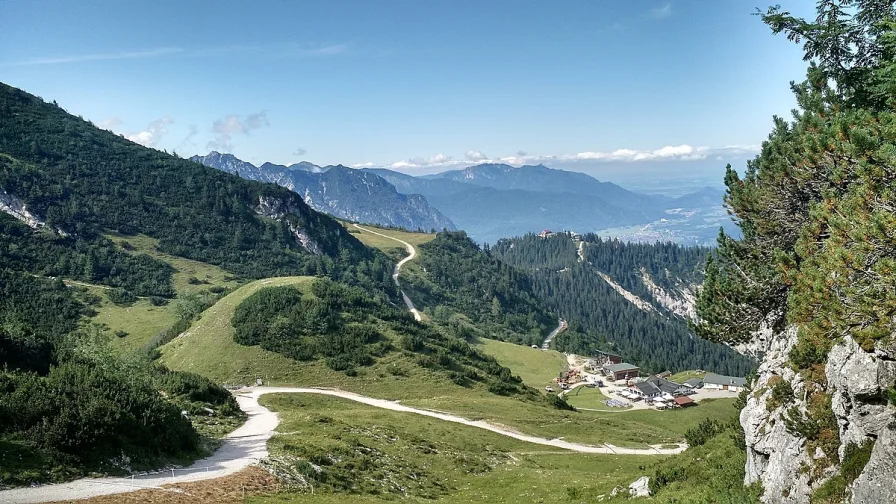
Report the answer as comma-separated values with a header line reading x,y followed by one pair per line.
x,y
793,466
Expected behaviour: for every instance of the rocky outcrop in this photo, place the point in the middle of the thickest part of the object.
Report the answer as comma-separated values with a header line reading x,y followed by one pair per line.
x,y
279,210
775,456
640,487
682,302
13,206
632,298
857,381
877,483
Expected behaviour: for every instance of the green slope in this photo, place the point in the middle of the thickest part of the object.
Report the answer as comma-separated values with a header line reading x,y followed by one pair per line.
x,y
86,181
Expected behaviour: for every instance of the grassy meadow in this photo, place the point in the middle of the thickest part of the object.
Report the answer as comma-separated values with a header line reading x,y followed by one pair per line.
x,y
537,368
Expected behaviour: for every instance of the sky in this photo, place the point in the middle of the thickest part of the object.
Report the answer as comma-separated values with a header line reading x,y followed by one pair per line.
x,y
611,88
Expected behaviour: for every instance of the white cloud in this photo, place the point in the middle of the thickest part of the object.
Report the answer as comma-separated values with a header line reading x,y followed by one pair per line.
x,y
152,135
368,164
682,152
300,152
230,125
110,123
663,11
419,162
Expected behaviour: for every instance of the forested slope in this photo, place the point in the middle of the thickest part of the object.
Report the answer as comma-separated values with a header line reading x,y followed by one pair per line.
x,y
651,335
454,275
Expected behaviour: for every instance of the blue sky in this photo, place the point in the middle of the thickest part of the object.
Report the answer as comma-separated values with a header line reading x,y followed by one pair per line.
x,y
600,87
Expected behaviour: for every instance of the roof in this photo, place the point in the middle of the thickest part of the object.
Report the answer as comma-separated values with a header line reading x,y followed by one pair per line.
x,y
714,379
667,386
683,401
665,374
608,354
622,366
693,382
647,388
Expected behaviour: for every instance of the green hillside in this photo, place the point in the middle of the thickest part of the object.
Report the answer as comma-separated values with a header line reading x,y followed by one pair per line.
x,y
84,182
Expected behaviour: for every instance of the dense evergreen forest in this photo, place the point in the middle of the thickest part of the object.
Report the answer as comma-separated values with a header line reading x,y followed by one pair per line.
x,y
69,404
657,339
459,277
348,328
83,181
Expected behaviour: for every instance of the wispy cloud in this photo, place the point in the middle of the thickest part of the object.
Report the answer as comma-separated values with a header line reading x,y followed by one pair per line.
x,y
662,11
682,152
230,125
123,55
330,50
187,142
152,135
290,49
110,123
300,152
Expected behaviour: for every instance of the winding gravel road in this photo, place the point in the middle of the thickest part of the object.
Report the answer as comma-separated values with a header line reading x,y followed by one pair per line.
x,y
412,252
248,444
546,345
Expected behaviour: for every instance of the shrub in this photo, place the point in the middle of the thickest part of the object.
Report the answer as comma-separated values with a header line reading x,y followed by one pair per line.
x,y
703,432
832,491
559,402
157,301
855,457
782,393
121,297
663,477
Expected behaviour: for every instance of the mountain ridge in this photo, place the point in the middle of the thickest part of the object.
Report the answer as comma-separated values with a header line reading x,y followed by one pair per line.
x,y
340,191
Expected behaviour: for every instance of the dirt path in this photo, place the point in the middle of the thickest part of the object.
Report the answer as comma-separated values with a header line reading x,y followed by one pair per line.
x,y
546,344
412,252
248,444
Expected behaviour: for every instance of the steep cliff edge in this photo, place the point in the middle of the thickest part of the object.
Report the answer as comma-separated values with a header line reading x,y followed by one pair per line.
x,y
789,450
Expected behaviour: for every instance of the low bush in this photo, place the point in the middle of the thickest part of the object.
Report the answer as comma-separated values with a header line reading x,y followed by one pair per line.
x,y
704,431
121,297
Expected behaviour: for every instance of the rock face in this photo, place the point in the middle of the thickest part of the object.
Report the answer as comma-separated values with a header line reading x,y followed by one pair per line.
x,y
13,206
856,381
774,455
276,209
682,302
877,483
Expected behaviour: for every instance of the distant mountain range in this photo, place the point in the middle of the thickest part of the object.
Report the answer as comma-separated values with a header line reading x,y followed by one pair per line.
x,y
339,191
492,201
